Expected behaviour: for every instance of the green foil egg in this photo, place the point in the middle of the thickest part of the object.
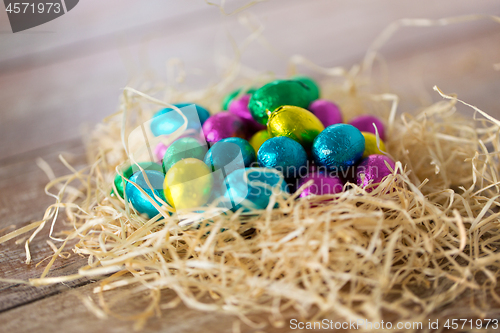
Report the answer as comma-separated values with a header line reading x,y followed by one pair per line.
x,y
183,148
129,171
296,123
313,86
276,94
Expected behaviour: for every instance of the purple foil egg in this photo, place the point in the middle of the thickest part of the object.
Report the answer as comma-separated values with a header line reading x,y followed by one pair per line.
x,y
327,112
239,107
373,170
223,125
322,184
365,124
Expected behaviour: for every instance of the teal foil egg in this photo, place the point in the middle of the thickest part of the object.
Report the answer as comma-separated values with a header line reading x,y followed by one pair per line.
x,y
278,93
251,188
338,146
284,154
167,120
313,86
140,202
129,171
183,148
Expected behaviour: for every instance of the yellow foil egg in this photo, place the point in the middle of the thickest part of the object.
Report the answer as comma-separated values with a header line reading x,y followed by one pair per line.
x,y
296,123
258,139
371,145
188,183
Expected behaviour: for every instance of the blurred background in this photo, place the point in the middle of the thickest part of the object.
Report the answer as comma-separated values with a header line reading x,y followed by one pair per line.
x,y
58,76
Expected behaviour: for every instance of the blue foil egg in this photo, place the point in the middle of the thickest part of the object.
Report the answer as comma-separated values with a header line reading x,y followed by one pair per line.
x,y
141,203
338,146
251,188
226,150
226,156
167,120
283,154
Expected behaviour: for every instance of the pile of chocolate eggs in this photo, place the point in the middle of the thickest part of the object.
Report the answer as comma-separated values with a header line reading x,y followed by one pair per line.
x,y
269,140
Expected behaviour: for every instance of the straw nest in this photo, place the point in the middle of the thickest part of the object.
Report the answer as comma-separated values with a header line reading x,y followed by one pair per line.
x,y
427,234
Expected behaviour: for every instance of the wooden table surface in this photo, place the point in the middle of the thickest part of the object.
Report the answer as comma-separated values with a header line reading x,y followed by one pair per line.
x,y
69,72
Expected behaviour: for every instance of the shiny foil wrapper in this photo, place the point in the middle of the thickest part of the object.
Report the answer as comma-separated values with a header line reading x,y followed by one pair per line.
x,y
223,125
372,170
283,154
276,94
338,146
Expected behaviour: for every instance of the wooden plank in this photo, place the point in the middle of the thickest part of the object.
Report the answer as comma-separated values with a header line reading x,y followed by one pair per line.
x,y
66,311
465,68
88,21
23,201
38,116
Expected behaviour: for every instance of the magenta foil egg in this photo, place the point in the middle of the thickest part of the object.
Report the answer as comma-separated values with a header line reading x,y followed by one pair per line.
x,y
372,170
327,112
239,107
322,184
223,125
365,124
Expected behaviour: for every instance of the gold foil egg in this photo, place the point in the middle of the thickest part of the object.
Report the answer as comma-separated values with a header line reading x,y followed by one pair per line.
x,y
371,145
296,123
188,183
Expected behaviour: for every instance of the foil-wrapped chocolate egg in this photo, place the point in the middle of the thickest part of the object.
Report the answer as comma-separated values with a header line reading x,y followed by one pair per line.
x,y
371,145
278,93
188,184
365,124
323,183
181,149
295,123
168,120
326,111
227,151
239,107
284,154
311,84
223,125
232,95
226,156
338,146
161,148
129,171
259,138
139,200
252,188
372,170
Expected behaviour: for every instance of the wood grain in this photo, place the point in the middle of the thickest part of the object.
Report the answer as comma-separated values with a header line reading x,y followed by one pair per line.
x,y
47,99
26,201
70,71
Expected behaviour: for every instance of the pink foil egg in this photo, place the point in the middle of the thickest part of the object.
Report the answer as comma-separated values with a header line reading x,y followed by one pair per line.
x,y
223,125
239,107
372,170
365,124
322,184
326,111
